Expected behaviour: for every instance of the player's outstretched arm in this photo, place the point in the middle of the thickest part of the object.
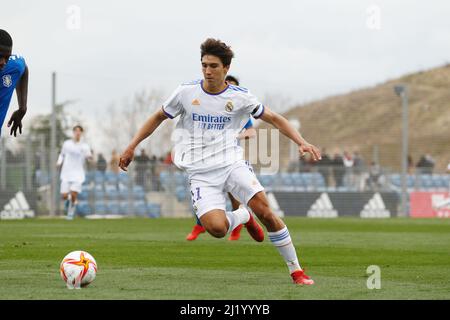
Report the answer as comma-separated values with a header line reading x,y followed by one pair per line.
x,y
282,124
61,156
15,122
145,131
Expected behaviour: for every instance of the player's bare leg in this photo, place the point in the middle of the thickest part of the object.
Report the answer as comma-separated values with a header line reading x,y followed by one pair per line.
x,y
279,236
219,223
236,233
66,198
215,222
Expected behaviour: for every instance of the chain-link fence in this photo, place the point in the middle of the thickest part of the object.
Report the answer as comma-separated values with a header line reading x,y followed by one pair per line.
x,y
154,187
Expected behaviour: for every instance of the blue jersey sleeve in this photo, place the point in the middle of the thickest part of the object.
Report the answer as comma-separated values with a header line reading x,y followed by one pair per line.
x,y
15,66
249,124
20,62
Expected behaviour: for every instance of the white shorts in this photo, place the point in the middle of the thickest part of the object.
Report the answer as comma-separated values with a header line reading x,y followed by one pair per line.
x,y
68,186
209,189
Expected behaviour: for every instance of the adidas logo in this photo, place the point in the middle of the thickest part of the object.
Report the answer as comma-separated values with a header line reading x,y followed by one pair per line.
x,y
322,208
441,204
195,102
375,208
273,203
17,208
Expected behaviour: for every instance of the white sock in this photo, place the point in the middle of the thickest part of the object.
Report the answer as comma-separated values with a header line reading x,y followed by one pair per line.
x,y
237,217
282,240
71,211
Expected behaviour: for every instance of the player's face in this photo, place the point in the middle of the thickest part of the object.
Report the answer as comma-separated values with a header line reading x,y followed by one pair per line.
x,y
5,53
214,72
77,134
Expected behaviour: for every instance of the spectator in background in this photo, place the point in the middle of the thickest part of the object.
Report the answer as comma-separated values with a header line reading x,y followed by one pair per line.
x,y
305,163
38,178
421,163
425,164
159,167
10,157
348,165
91,165
114,162
293,166
374,180
153,175
410,165
324,166
101,163
142,166
338,169
358,171
431,163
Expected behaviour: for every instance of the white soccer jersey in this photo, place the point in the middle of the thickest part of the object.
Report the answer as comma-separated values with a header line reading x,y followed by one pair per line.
x,y
206,133
73,156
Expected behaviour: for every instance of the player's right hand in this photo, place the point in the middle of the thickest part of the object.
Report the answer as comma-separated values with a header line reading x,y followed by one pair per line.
x,y
311,149
15,122
126,158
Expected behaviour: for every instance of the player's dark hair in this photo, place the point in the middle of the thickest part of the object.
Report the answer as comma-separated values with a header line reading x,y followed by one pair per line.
x,y
217,48
78,127
5,39
232,78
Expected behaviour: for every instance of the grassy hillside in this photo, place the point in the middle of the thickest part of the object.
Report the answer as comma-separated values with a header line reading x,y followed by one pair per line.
x,y
372,116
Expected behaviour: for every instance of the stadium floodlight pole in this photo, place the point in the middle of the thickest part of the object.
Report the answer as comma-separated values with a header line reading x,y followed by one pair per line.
x,y
53,150
402,91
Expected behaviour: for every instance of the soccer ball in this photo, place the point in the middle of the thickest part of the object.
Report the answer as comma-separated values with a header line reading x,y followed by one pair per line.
x,y
78,269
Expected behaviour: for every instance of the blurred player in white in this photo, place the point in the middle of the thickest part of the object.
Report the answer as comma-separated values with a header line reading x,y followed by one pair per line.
x,y
212,113
73,156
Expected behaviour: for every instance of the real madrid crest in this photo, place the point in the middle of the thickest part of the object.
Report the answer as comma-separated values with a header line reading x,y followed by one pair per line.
x,y
7,81
229,106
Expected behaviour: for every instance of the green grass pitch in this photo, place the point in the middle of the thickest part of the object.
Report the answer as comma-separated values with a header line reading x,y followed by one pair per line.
x,y
150,259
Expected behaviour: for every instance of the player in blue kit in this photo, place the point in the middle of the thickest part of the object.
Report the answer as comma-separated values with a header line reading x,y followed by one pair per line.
x,y
13,75
248,132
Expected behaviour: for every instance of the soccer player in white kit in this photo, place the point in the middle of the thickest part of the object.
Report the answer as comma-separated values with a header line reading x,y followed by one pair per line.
x,y
247,132
73,156
212,113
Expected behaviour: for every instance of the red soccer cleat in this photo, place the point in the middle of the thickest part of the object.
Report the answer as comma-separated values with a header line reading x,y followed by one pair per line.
x,y
299,277
236,233
254,229
195,232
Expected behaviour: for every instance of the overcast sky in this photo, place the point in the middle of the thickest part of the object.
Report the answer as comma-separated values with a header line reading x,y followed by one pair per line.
x,y
303,50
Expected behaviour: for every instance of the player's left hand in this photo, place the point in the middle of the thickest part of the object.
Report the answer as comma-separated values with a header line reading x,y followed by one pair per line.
x,y
125,158
311,149
15,122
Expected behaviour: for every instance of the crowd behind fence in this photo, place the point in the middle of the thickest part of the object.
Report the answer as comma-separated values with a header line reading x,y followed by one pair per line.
x,y
155,187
